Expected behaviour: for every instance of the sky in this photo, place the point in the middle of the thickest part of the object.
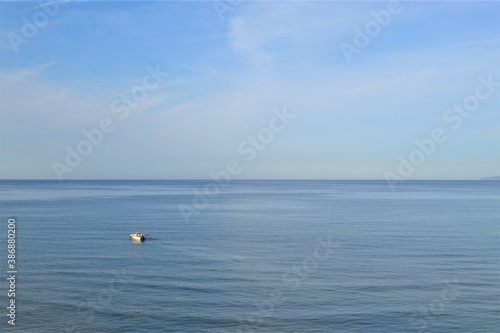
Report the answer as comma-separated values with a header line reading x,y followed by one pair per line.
x,y
249,90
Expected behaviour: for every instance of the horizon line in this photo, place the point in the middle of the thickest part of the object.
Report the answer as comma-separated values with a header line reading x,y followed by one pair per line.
x,y
241,179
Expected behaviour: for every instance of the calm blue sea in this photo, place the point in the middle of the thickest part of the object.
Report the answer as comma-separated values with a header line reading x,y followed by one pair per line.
x,y
253,256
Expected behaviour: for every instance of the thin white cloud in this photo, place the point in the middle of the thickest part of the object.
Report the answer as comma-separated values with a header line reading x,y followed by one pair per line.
x,y
37,102
23,74
259,26
260,29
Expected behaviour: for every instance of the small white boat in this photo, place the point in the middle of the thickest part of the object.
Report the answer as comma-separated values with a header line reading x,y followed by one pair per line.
x,y
138,237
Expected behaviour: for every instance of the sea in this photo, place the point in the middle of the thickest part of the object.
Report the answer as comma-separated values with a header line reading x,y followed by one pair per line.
x,y
250,256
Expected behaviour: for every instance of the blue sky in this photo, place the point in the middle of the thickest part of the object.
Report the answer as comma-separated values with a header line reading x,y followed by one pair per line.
x,y
354,118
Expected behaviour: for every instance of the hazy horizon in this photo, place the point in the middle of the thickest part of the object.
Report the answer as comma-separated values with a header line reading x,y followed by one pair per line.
x,y
244,179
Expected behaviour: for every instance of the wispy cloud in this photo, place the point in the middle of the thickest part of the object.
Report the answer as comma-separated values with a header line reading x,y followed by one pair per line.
x,y
30,97
257,29
261,31
23,74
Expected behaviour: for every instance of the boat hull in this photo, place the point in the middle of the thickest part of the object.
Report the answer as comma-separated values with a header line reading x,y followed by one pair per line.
x,y
139,238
